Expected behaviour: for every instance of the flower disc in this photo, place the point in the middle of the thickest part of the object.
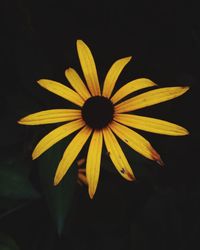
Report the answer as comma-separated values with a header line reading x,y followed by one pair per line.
x,y
97,112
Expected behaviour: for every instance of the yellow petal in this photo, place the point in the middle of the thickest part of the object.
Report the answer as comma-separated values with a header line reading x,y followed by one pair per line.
x,y
116,155
51,116
76,82
94,161
135,141
88,67
150,98
62,90
71,153
151,124
113,75
131,87
56,135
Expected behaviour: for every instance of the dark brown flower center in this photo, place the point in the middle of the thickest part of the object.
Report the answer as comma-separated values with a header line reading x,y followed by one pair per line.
x,y
97,112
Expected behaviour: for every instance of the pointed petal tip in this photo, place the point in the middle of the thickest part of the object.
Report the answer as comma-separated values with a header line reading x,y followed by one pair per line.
x,y
184,131
156,157
131,177
187,132
185,88
128,175
128,58
153,83
41,82
91,194
23,121
56,181
34,156
160,162
20,121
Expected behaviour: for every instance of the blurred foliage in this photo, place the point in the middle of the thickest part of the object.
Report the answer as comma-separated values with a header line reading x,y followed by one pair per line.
x,y
14,182
7,243
59,198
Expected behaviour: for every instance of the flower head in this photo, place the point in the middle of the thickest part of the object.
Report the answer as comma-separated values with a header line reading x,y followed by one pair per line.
x,y
102,116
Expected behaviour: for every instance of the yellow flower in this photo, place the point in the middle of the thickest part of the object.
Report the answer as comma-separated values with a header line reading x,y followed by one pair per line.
x,y
102,116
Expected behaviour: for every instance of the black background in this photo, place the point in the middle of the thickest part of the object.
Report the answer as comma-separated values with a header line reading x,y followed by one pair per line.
x,y
161,210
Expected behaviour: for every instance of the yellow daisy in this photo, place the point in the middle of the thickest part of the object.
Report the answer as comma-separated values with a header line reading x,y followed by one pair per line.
x,y
101,115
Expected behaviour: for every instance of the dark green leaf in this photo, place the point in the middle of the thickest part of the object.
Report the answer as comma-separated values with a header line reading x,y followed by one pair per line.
x,y
59,198
7,243
15,184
